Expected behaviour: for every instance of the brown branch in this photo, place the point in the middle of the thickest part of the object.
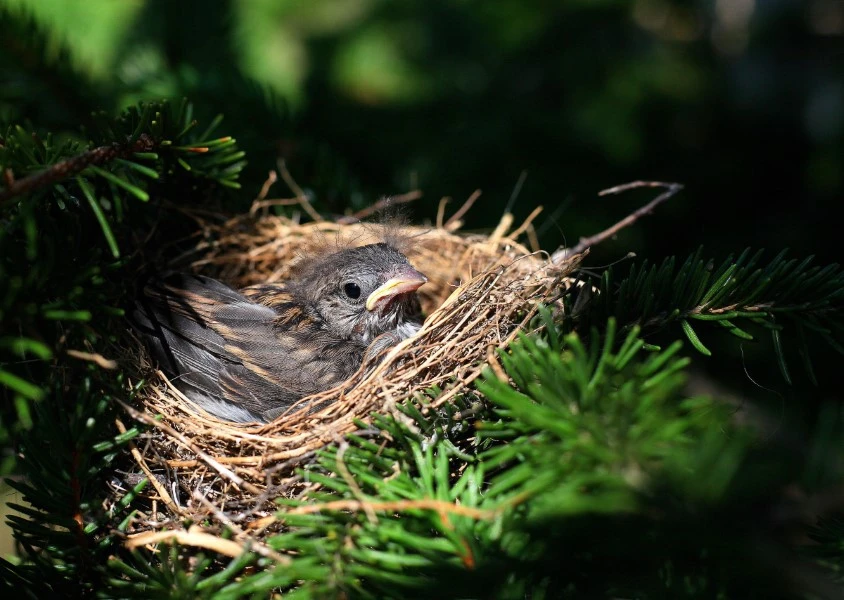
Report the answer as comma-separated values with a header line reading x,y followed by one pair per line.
x,y
272,177
193,537
142,463
98,359
671,189
72,166
453,219
441,211
523,227
301,196
259,204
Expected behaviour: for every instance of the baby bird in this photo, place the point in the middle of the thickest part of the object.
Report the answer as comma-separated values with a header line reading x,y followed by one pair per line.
x,y
248,355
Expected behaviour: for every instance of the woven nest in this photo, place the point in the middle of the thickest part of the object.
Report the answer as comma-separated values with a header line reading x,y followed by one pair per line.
x,y
482,290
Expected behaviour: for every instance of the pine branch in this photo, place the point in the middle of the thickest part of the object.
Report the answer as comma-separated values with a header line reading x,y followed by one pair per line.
x,y
70,167
66,225
743,289
566,460
60,523
73,194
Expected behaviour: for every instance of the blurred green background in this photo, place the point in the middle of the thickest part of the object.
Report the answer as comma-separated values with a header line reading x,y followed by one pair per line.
x,y
741,100
535,102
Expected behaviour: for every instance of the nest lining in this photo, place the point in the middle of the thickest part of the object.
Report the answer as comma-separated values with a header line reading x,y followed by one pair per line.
x,y
482,290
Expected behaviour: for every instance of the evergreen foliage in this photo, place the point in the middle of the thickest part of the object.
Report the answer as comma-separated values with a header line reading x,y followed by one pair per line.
x,y
71,214
784,295
579,467
65,221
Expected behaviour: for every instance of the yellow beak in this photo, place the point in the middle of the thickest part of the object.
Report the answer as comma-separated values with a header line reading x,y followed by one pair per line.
x,y
397,285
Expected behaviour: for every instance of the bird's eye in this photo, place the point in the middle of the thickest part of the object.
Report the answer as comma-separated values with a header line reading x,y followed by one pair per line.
x,y
352,290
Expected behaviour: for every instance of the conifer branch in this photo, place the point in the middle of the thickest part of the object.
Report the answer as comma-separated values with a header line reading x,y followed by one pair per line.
x,y
71,166
743,289
562,446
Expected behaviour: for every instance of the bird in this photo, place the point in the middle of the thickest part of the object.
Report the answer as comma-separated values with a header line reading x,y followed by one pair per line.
x,y
247,355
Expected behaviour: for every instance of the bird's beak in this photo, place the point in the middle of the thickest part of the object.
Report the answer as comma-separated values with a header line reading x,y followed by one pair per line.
x,y
408,281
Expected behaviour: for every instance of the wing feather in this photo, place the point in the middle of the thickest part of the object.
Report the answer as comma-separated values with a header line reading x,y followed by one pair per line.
x,y
239,354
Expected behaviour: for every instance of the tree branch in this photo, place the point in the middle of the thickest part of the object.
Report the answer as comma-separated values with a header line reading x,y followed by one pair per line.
x,y
70,167
671,189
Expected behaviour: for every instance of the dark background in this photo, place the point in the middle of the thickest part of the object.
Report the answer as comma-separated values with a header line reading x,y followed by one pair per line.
x,y
740,100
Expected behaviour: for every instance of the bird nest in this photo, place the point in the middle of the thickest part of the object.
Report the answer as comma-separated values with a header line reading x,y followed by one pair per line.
x,y
482,290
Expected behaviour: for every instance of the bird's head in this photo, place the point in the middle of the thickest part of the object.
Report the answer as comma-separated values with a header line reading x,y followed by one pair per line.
x,y
361,292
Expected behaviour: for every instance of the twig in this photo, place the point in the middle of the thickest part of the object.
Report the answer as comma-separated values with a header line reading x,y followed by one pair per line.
x,y
383,203
259,204
671,189
72,166
441,211
98,359
463,209
494,365
501,229
523,227
272,177
301,196
396,505
533,239
142,463
193,537
261,201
